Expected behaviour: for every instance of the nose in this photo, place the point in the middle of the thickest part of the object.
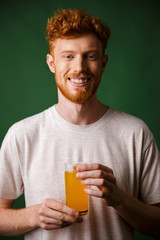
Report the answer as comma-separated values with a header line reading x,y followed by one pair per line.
x,y
80,64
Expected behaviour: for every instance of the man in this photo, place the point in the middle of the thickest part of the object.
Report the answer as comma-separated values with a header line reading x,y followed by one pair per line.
x,y
123,164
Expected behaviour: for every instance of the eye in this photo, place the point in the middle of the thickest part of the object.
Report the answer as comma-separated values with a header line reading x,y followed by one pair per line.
x,y
68,57
91,57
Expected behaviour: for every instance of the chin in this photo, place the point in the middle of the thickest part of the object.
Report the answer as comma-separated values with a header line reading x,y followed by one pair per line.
x,y
80,96
81,99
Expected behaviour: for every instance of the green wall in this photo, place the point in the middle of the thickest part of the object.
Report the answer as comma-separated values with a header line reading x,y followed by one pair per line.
x,y
130,82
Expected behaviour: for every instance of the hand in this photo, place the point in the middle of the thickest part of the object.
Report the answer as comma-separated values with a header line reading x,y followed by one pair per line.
x,y
102,177
54,214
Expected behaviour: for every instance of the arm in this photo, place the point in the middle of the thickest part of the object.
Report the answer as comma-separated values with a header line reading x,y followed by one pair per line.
x,y
15,222
140,216
143,217
50,214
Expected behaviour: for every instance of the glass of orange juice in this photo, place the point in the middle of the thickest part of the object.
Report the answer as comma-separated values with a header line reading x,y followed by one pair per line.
x,y
76,198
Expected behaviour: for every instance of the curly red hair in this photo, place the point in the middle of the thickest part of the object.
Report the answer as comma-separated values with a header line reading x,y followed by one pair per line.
x,y
73,23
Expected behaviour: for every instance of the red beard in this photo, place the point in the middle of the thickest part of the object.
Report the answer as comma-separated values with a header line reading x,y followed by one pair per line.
x,y
81,94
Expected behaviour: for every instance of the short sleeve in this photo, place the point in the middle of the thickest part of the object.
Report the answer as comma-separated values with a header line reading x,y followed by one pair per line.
x,y
11,184
150,175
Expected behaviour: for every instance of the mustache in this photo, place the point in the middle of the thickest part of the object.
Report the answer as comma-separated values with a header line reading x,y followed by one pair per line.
x,y
80,75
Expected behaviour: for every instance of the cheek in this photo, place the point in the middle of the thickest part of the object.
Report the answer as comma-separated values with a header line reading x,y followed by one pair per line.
x,y
63,68
96,68
97,71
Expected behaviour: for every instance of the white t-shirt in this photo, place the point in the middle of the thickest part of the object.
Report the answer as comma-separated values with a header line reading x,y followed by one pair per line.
x,y
32,160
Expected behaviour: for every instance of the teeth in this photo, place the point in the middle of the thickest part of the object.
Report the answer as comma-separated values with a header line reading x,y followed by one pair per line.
x,y
78,80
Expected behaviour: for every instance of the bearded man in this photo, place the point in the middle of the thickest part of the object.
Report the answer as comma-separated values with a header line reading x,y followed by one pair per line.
x,y
123,164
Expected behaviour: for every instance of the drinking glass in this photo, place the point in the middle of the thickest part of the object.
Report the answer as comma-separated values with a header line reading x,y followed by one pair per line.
x,y
76,198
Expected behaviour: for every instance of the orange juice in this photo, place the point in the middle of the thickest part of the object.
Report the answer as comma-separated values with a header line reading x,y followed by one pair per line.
x,y
76,198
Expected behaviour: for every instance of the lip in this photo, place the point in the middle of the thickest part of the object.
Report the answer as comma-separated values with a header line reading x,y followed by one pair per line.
x,y
75,84
78,84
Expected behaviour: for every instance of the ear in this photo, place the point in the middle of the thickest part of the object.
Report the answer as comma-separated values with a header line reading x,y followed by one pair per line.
x,y
50,63
105,61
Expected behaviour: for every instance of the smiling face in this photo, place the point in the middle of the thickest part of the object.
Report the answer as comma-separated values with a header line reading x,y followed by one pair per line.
x,y
78,65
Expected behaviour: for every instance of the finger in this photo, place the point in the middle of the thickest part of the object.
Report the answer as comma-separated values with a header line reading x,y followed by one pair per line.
x,y
100,182
49,226
61,207
94,166
64,217
52,223
96,174
89,174
57,215
64,225
49,220
95,193
54,226
102,177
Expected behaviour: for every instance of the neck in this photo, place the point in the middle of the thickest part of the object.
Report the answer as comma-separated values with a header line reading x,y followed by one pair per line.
x,y
80,114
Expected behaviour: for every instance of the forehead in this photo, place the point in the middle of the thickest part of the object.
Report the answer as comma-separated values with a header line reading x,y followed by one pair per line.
x,y
81,44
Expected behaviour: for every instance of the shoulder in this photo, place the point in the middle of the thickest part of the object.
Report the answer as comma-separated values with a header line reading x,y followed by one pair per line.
x,y
131,127
30,125
127,121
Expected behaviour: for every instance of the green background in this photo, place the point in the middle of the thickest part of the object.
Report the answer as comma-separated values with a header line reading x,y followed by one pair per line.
x,y
130,82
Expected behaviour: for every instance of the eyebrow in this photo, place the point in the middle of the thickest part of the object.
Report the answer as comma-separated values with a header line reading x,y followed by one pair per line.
x,y
72,51
68,51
